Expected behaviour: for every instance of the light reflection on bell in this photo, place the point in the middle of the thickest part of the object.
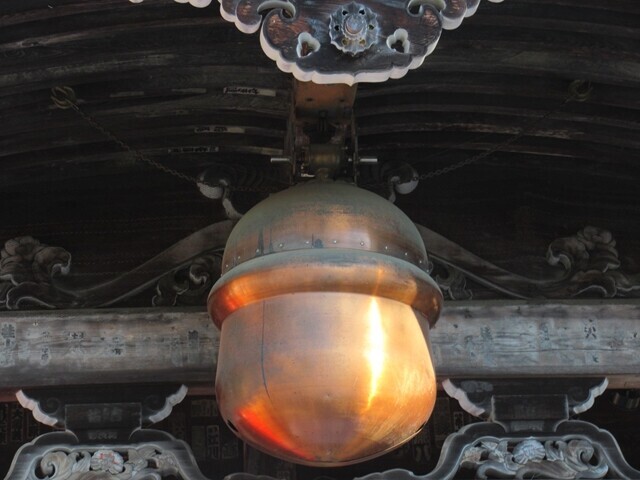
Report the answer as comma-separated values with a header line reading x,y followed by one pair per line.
x,y
324,312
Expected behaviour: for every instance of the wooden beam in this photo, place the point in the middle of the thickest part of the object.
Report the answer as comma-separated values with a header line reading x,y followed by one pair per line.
x,y
70,347
471,339
524,338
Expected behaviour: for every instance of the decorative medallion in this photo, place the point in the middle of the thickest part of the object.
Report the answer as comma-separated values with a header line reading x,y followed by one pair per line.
x,y
353,28
333,41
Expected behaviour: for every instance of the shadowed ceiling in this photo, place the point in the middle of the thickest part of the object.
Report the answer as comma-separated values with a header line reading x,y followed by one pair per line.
x,y
164,78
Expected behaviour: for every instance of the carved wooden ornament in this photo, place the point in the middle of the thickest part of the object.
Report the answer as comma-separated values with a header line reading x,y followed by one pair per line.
x,y
343,41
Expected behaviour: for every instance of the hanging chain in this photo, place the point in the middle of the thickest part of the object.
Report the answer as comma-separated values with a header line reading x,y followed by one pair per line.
x,y
65,98
468,161
523,131
579,91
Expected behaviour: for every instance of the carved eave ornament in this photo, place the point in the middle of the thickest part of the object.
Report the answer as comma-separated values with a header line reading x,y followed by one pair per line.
x,y
33,274
329,41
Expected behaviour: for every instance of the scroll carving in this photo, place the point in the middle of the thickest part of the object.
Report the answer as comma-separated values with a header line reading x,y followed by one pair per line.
x,y
151,455
188,285
561,459
27,269
33,274
143,463
454,284
575,450
591,262
584,265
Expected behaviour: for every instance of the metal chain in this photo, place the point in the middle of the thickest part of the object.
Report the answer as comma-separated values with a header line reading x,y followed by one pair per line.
x,y
64,98
523,131
468,161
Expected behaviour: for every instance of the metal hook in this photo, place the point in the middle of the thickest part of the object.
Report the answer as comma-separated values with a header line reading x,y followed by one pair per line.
x,y
580,90
63,97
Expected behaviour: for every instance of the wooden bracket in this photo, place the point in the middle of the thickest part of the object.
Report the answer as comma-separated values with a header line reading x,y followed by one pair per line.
x,y
342,41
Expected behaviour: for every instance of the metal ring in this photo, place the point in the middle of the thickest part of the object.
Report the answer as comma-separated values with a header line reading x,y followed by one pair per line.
x,y
63,97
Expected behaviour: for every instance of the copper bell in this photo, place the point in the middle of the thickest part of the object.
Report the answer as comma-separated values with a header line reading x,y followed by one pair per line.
x,y
324,306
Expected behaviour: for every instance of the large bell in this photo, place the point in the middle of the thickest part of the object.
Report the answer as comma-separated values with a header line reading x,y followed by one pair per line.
x,y
324,306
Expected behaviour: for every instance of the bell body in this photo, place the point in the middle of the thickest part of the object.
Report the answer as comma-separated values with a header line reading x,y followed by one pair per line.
x,y
324,307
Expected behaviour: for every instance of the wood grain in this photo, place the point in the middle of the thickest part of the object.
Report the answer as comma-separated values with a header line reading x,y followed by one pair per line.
x,y
471,339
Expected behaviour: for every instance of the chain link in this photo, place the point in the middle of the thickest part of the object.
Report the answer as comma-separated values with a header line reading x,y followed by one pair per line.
x,y
65,98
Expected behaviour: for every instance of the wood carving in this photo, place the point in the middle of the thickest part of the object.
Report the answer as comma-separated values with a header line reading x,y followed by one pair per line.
x,y
27,269
189,284
477,396
530,458
454,284
48,405
528,435
575,450
346,42
103,437
584,265
150,455
32,274
140,463
592,264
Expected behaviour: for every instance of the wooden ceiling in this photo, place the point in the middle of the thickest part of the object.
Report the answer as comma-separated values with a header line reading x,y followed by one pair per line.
x,y
163,77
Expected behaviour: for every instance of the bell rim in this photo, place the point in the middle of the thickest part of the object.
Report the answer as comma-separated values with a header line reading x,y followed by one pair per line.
x,y
325,270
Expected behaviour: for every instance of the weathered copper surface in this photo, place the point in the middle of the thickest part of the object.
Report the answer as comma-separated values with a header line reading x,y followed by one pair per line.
x,y
324,215
324,236
324,306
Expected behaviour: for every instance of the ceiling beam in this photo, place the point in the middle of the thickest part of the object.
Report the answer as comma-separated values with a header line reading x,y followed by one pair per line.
x,y
477,339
